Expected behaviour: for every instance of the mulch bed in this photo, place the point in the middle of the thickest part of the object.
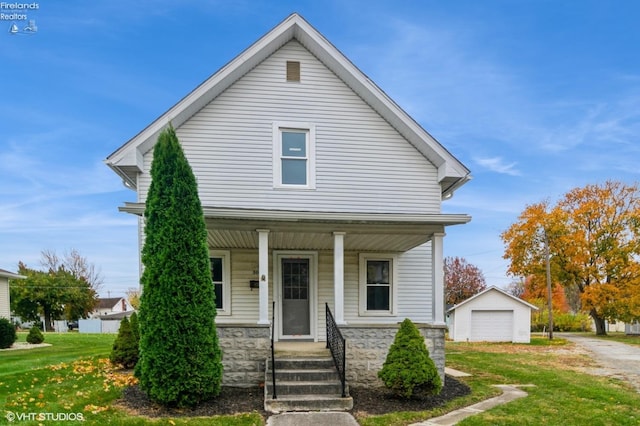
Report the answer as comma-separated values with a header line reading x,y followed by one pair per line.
x,y
381,401
234,400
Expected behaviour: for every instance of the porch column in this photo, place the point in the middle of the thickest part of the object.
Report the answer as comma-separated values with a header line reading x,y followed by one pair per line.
x,y
338,277
263,275
437,262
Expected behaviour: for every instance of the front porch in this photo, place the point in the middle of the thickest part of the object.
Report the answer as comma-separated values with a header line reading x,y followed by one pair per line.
x,y
278,236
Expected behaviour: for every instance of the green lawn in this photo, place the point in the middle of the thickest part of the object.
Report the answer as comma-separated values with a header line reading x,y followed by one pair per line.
x,y
65,347
73,378
562,393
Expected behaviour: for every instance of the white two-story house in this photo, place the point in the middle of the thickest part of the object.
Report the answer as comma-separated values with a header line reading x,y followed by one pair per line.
x,y
318,190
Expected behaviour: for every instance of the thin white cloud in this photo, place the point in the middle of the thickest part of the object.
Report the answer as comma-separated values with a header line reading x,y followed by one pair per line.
x,y
497,164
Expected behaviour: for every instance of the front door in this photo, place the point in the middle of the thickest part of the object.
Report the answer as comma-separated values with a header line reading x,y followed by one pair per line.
x,y
296,296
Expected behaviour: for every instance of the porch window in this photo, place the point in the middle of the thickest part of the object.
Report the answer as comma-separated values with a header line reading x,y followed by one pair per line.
x,y
221,276
294,155
377,284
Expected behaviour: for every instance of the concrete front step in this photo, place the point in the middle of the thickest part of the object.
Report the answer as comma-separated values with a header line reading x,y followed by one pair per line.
x,y
308,403
324,387
301,349
309,383
303,363
301,375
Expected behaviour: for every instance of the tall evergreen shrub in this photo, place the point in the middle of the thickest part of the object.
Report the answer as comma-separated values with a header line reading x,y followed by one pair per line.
x,y
408,370
180,359
135,328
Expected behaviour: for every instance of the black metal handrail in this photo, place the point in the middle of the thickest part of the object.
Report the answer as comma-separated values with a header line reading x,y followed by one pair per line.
x,y
337,344
273,352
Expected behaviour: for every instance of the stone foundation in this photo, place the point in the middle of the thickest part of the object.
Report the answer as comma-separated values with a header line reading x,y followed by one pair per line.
x,y
368,345
246,347
244,351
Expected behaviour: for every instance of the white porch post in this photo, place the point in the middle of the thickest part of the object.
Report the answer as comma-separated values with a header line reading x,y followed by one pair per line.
x,y
263,273
437,262
338,277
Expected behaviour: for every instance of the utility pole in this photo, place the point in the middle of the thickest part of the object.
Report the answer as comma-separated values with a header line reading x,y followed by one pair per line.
x,y
549,293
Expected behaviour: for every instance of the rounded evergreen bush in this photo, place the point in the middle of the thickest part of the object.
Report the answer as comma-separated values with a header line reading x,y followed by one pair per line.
x,y
7,333
125,347
408,370
35,336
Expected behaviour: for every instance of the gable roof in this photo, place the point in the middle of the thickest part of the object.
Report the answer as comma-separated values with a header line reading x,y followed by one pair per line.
x,y
108,302
493,288
128,159
6,274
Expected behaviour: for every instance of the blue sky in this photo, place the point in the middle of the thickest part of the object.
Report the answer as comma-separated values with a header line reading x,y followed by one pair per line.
x,y
535,97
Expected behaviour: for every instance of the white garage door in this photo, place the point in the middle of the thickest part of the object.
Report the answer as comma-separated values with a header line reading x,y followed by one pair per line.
x,y
492,326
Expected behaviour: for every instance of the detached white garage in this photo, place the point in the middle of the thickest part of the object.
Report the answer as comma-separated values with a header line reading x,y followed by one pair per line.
x,y
491,316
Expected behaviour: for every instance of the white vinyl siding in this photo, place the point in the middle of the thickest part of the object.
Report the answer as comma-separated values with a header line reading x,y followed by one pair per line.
x,y
244,300
362,163
5,309
415,289
413,292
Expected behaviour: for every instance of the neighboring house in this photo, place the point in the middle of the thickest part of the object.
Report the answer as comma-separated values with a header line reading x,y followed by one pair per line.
x,y
316,189
111,307
492,315
5,297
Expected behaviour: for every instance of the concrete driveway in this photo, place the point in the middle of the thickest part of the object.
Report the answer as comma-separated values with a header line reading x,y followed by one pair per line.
x,y
615,359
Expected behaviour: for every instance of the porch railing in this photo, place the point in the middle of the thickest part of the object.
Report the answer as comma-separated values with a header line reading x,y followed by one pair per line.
x,y
337,344
273,351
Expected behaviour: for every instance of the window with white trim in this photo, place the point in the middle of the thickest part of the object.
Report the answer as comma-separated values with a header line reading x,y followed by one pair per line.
x,y
294,155
378,284
221,276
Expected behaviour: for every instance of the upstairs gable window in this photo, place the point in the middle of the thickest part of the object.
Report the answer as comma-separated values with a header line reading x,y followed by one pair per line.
x,y
294,155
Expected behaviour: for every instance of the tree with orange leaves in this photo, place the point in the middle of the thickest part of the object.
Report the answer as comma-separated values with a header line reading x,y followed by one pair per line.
x,y
593,235
535,288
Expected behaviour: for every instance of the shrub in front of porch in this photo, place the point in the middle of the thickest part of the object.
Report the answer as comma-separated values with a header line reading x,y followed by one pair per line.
x,y
125,347
408,369
180,359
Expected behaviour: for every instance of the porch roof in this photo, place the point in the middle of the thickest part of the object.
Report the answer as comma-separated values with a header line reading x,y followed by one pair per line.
x,y
289,230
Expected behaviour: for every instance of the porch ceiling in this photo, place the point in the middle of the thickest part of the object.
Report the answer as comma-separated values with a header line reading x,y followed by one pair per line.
x,y
314,231
304,240
303,230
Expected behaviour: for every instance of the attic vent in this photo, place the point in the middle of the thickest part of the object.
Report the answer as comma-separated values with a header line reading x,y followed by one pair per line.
x,y
293,71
